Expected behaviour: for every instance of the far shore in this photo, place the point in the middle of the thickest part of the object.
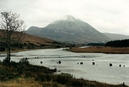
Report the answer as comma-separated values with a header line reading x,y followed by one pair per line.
x,y
15,51
20,50
101,49
91,49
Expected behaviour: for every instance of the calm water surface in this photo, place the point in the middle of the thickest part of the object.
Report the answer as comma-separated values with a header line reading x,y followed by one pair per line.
x,y
70,63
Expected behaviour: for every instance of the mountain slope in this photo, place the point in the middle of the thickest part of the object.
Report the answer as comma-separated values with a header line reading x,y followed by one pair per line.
x,y
116,36
69,30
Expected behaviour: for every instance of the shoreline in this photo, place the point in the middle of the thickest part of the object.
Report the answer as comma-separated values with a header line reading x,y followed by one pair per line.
x,y
74,79
101,49
20,50
91,49
45,77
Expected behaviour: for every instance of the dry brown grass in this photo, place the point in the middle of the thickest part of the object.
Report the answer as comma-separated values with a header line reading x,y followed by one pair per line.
x,y
21,82
28,42
29,38
36,40
52,84
101,49
28,82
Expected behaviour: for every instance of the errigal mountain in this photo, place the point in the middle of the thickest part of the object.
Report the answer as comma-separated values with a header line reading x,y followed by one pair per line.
x,y
69,30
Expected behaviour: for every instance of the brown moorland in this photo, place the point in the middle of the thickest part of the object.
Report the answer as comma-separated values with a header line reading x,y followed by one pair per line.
x,y
28,42
29,38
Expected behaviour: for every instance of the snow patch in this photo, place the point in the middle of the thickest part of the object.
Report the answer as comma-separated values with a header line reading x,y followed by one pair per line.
x,y
68,18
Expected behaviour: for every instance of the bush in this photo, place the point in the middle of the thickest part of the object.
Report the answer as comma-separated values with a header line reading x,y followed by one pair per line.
x,y
24,61
63,78
44,78
6,62
6,74
2,49
20,46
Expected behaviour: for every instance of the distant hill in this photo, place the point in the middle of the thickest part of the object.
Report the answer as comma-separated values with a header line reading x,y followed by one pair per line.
x,y
116,36
31,41
69,30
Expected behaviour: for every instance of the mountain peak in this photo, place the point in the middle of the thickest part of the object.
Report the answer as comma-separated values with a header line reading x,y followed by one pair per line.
x,y
65,18
70,18
73,30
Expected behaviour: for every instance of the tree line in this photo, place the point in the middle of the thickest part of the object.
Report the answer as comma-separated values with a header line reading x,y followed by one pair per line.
x,y
118,43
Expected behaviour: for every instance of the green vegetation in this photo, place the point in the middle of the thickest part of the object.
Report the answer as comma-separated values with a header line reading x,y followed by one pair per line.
x,y
41,76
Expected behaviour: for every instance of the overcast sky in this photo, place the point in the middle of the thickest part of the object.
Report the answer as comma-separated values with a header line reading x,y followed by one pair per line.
x,y
104,15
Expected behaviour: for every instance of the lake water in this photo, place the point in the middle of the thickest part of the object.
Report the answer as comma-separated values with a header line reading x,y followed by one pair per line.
x,y
70,63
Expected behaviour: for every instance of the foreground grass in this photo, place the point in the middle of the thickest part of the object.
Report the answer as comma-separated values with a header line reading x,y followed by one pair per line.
x,y
23,74
101,49
20,82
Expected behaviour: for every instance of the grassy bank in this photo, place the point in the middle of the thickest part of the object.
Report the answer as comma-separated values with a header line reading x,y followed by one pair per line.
x,y
101,49
22,74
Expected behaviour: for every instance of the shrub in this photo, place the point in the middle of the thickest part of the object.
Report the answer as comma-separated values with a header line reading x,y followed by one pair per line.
x,y
6,74
24,61
5,62
2,49
63,78
51,84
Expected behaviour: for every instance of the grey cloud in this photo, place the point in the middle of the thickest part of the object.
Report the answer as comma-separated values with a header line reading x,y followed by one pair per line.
x,y
104,15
